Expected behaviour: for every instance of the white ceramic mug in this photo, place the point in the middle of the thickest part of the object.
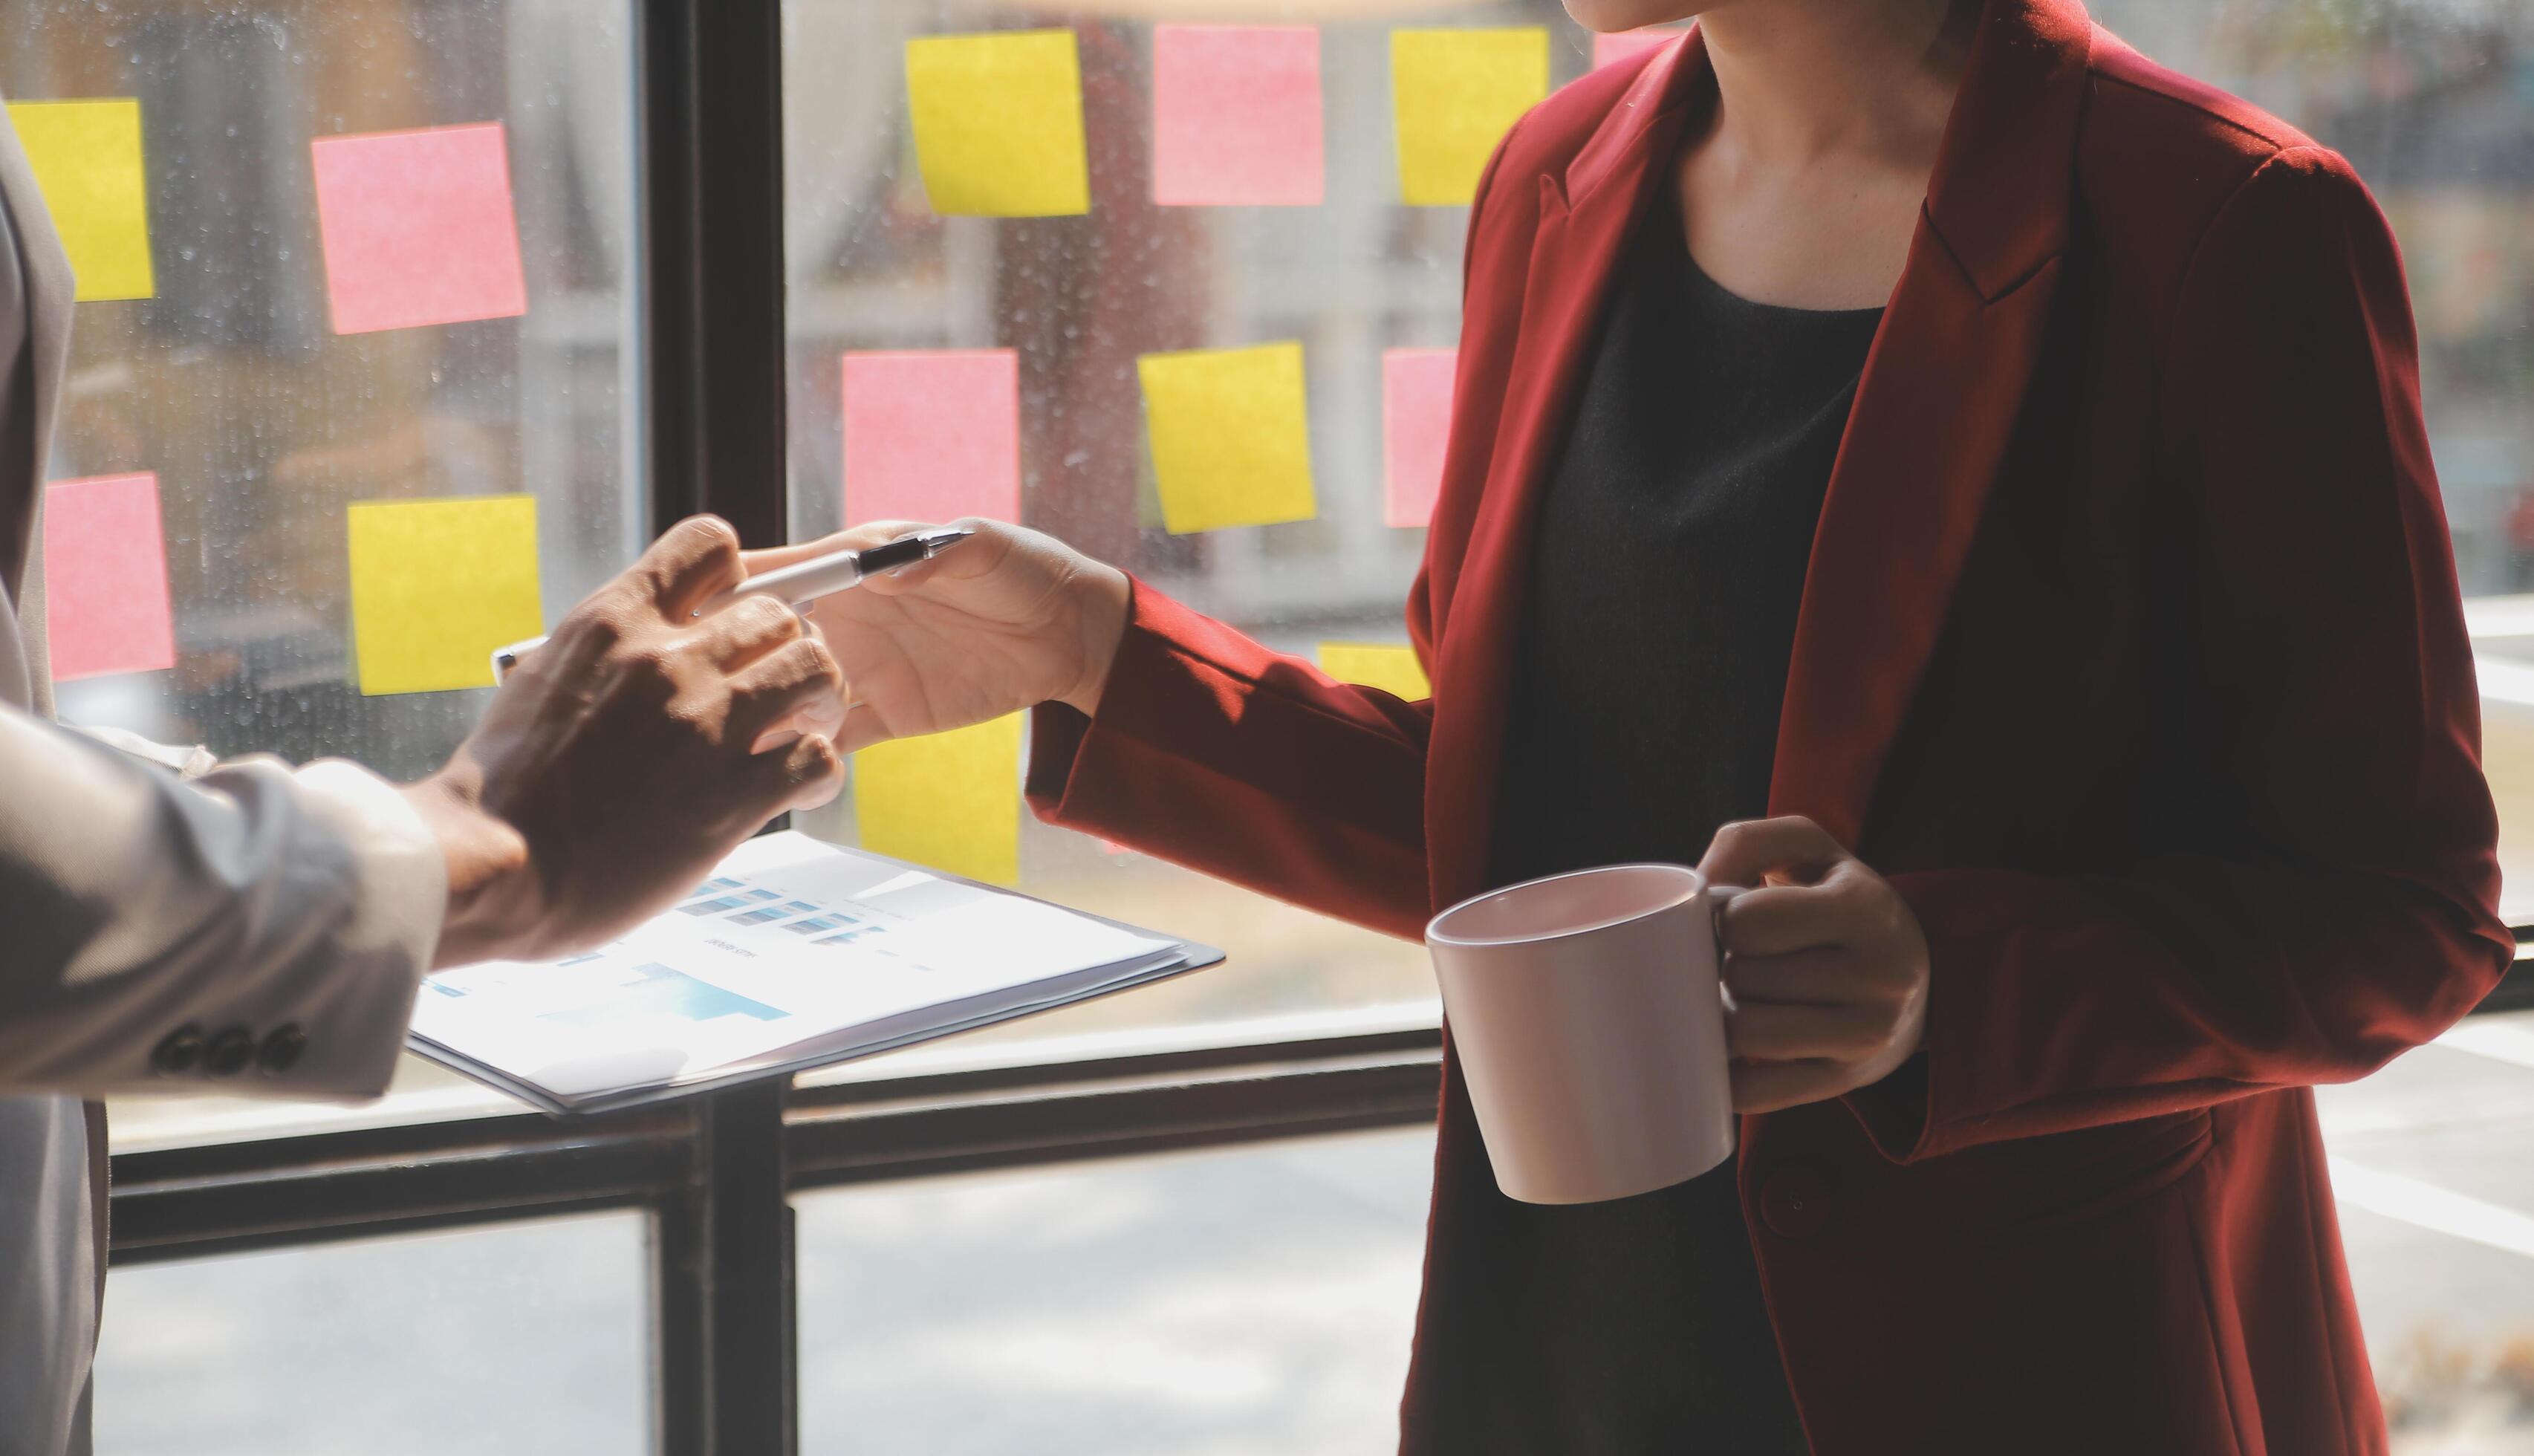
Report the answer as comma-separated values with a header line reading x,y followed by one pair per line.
x,y
1588,1012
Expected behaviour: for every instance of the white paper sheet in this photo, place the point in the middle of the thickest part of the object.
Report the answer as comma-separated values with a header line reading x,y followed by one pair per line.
x,y
792,947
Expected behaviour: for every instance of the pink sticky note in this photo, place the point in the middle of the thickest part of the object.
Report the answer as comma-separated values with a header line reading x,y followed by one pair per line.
x,y
1416,424
1611,49
418,227
933,436
1236,116
105,577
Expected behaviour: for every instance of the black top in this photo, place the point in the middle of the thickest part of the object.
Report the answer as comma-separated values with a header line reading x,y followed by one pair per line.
x,y
1667,568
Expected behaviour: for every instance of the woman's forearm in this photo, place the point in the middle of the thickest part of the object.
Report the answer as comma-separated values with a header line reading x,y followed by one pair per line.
x,y
1210,749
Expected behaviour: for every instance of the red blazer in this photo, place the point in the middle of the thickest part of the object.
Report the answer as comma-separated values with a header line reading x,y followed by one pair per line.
x,y
2131,652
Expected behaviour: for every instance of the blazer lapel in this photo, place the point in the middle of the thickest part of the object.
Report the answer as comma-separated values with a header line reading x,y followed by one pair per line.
x,y
1934,411
1586,216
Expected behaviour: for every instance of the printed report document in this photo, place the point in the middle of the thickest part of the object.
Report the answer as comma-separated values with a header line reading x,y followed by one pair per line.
x,y
795,953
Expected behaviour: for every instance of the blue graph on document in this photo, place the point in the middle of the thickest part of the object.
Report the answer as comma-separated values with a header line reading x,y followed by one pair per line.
x,y
654,989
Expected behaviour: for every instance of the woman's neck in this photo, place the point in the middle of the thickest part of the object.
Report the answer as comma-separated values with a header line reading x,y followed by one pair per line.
x,y
1802,184
1867,81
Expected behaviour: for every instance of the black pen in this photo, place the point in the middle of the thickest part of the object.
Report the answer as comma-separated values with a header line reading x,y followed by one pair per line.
x,y
800,584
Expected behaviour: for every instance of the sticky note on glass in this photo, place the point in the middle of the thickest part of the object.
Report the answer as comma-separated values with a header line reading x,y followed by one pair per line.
x,y
105,578
933,436
998,123
1415,426
1610,49
1394,670
1231,436
86,161
437,585
949,800
1236,116
418,227
1456,93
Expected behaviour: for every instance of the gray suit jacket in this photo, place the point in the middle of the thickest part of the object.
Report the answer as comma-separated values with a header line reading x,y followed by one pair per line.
x,y
154,926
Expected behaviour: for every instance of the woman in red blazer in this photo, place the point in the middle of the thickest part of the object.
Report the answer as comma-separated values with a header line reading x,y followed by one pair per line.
x,y
2129,658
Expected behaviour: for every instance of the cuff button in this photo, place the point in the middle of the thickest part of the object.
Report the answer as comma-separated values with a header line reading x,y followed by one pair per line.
x,y
281,1049
227,1055
178,1051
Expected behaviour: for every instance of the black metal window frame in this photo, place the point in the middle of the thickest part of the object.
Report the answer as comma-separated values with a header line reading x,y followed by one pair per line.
x,y
715,1172
715,1175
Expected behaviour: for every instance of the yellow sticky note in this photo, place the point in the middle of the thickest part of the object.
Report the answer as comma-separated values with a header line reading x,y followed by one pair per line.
x,y
1394,670
949,800
86,160
1231,436
437,585
1456,93
998,123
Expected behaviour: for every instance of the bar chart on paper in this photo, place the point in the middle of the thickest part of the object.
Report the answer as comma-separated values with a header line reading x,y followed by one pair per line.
x,y
793,953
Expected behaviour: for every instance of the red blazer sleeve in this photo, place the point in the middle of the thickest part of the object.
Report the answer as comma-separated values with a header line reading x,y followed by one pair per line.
x,y
1215,753
2346,911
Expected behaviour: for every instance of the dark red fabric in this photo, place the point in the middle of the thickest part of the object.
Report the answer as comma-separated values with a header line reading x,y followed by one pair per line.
x,y
2131,652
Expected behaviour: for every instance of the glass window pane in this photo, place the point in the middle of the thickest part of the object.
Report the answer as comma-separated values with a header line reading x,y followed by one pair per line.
x,y
283,376
1078,300
2437,1213
1256,1300
263,422
2429,101
529,1337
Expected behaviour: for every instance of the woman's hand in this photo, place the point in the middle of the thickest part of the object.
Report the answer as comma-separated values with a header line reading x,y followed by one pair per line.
x,y
1005,619
1827,965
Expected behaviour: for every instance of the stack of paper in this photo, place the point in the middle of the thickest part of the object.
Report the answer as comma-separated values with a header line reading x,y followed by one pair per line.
x,y
796,953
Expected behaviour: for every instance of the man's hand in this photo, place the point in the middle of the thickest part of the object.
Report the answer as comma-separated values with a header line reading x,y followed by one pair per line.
x,y
621,760
1827,965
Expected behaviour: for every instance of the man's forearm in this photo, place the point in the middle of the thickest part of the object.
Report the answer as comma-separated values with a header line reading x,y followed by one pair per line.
x,y
492,897
285,915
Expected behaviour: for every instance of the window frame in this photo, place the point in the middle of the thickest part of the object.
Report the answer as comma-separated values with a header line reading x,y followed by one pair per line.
x,y
715,1172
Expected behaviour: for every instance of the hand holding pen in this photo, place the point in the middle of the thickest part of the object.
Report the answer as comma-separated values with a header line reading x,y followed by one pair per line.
x,y
801,582
1012,619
